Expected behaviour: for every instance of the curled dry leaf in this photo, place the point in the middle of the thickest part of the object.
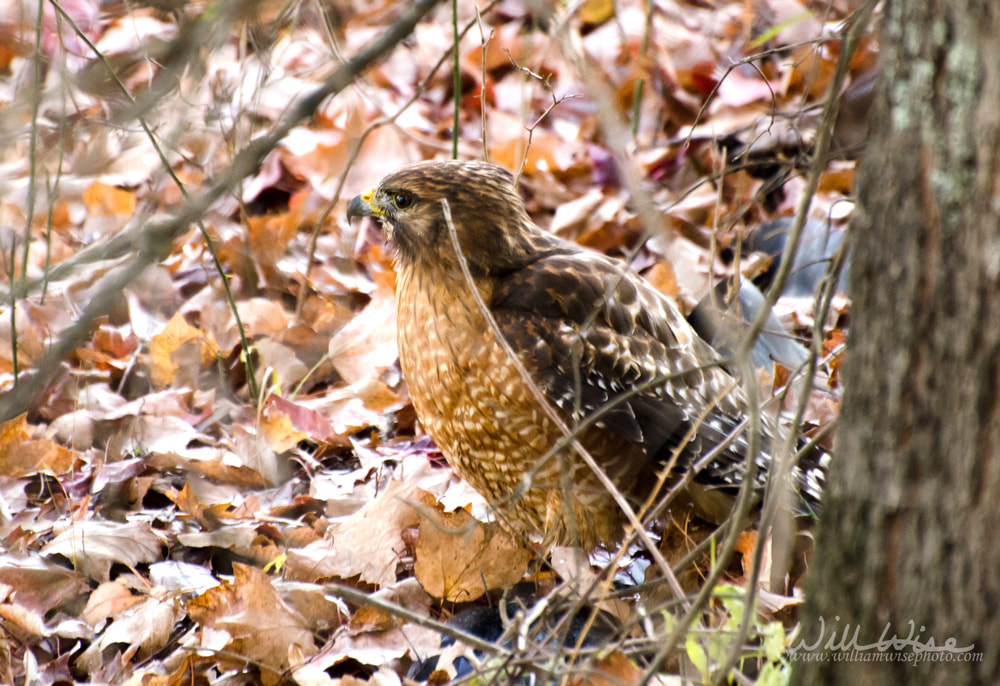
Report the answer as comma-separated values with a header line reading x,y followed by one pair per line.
x,y
459,558
108,600
270,235
38,584
21,455
278,425
102,199
93,546
212,463
21,624
366,346
278,364
369,543
376,637
347,410
259,624
144,628
168,347
284,423
614,669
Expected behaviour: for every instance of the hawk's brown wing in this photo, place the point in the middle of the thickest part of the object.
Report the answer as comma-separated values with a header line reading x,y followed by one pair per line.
x,y
599,339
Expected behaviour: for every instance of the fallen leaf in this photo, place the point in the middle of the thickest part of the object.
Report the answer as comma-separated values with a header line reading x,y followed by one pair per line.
x,y
366,346
596,11
108,600
378,638
93,546
23,625
460,558
102,199
144,628
369,543
38,584
614,669
20,454
285,423
259,624
167,348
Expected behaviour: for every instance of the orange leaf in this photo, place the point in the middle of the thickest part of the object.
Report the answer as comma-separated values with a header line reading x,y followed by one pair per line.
x,y
166,349
662,277
21,455
103,200
460,558
261,626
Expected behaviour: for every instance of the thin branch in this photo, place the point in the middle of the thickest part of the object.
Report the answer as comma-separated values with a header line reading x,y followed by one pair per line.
x,y
485,41
36,103
357,597
741,511
456,80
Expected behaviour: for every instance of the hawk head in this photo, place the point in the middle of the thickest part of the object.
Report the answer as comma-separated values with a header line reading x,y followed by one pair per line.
x,y
494,231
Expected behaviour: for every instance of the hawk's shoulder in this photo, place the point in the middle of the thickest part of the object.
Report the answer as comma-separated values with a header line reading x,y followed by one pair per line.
x,y
580,286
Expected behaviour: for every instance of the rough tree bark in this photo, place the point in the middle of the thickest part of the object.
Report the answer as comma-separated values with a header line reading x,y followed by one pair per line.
x,y
908,538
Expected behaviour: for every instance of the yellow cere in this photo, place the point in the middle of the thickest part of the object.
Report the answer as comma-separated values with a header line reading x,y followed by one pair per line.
x,y
367,198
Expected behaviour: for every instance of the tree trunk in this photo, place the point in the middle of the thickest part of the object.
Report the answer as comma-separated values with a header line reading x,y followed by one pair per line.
x,y
905,547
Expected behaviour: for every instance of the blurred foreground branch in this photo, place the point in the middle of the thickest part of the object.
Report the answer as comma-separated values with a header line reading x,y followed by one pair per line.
x,y
152,242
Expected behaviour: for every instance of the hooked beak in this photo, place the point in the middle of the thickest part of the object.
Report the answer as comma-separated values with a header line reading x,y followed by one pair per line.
x,y
360,206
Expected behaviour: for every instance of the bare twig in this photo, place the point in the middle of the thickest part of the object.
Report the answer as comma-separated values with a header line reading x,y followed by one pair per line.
x,y
538,120
617,136
363,598
456,80
485,41
640,81
36,102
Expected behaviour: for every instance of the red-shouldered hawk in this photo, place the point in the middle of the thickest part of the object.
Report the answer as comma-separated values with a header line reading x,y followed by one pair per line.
x,y
594,336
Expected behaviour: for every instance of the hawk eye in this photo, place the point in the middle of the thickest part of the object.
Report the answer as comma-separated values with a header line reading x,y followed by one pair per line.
x,y
402,200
